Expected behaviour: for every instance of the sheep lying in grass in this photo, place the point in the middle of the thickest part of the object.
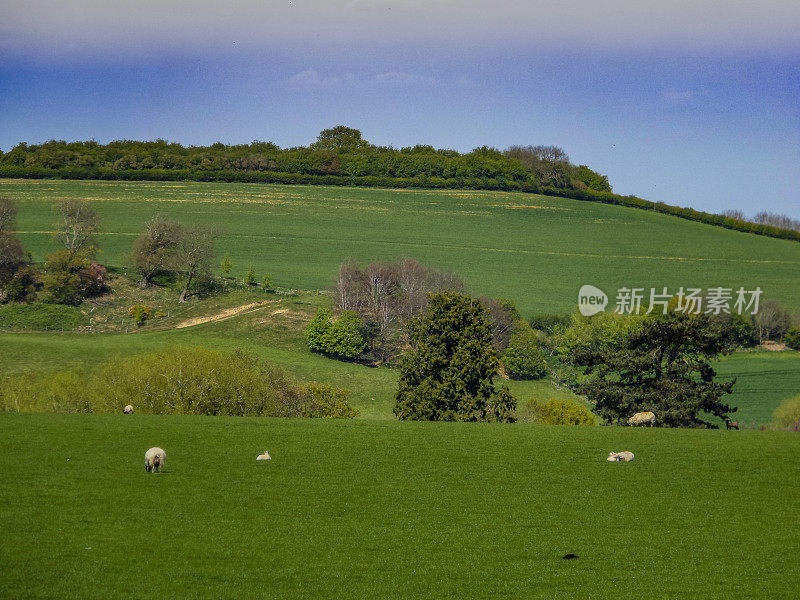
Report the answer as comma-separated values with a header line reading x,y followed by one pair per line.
x,y
154,460
128,410
641,418
264,456
620,456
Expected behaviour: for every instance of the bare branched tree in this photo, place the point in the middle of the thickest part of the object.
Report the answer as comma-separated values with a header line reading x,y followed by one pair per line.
x,y
388,295
734,214
776,220
771,321
77,224
193,254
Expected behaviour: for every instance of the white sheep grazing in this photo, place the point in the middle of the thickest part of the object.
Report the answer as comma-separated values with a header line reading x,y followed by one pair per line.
x,y
128,410
154,460
264,456
620,456
642,418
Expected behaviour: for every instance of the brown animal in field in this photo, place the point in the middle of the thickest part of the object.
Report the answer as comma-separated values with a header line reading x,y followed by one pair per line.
x,y
731,424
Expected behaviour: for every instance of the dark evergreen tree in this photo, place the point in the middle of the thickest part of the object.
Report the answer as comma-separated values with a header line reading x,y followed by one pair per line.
x,y
663,367
447,374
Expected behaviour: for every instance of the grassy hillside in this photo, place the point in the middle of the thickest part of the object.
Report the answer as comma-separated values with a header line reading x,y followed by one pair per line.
x,y
391,510
537,250
273,329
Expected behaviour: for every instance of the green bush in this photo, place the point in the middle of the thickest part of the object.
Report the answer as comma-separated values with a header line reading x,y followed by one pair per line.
x,y
341,338
523,358
62,287
792,338
250,278
178,381
316,330
55,392
327,402
71,276
560,412
23,285
605,330
787,415
140,313
41,317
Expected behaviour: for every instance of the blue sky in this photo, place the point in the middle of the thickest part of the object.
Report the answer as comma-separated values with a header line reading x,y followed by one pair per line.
x,y
681,102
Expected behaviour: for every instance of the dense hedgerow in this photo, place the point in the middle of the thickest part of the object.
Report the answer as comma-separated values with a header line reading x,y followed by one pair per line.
x,y
178,381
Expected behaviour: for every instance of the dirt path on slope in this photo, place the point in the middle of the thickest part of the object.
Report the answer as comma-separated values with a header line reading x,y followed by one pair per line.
x,y
225,314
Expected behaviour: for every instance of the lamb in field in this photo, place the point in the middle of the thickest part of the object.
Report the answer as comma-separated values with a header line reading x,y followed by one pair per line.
x,y
620,456
641,418
264,456
128,410
154,460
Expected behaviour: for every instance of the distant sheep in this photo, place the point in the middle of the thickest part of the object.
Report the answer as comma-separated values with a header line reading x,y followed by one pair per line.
x,y
731,425
642,418
128,410
620,456
264,456
154,460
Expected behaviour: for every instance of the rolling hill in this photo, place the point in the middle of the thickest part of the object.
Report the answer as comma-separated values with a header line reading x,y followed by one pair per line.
x,y
536,250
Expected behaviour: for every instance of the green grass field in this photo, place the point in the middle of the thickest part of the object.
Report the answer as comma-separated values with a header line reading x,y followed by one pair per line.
x,y
376,508
536,250
366,509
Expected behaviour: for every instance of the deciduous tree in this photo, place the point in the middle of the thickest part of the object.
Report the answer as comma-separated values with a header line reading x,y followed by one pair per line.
x,y
77,225
154,249
193,254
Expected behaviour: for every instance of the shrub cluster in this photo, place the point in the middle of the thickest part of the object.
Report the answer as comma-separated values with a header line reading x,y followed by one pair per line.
x,y
523,358
140,313
341,338
179,381
560,412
